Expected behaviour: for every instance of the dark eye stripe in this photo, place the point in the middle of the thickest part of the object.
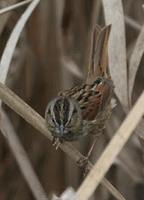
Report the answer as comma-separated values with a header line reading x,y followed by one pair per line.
x,y
61,110
74,111
80,97
97,81
66,107
56,110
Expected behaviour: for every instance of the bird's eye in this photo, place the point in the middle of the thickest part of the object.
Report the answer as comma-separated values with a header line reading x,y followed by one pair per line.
x,y
74,111
73,119
52,122
50,119
71,122
98,81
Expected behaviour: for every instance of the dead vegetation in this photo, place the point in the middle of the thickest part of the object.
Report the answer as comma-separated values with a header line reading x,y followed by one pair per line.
x,y
44,48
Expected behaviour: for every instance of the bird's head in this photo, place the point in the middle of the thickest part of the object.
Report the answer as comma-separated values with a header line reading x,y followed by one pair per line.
x,y
63,118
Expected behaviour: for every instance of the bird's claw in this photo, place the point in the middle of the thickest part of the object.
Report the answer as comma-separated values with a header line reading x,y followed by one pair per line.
x,y
83,163
56,142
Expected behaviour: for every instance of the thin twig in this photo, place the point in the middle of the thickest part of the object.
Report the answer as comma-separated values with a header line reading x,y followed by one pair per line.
x,y
4,18
112,150
21,157
33,118
133,23
12,7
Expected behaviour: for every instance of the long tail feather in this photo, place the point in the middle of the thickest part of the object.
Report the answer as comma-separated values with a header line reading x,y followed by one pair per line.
x,y
98,62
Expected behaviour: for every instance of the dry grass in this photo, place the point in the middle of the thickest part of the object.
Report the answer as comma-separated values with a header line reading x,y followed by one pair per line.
x,y
48,54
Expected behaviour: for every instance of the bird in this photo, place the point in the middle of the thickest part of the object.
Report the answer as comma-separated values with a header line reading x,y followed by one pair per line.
x,y
85,108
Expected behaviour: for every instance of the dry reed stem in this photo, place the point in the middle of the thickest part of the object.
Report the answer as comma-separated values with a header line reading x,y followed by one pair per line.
x,y
112,150
12,7
12,41
114,15
21,157
6,127
135,61
33,118
4,18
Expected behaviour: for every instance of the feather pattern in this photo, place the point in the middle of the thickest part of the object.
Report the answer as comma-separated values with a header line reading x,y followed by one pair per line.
x,y
92,98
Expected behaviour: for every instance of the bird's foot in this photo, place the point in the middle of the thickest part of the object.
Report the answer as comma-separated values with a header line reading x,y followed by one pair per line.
x,y
83,163
56,142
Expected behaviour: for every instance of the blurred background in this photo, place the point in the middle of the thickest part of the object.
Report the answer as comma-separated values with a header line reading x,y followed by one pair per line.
x,y
51,55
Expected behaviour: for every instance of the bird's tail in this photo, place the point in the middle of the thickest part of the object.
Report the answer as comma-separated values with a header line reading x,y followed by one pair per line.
x,y
98,61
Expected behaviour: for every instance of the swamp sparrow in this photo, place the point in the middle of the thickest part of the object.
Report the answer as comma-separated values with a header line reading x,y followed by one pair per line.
x,y
84,109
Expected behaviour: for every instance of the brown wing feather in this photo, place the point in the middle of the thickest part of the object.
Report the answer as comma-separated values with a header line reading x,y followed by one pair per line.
x,y
92,98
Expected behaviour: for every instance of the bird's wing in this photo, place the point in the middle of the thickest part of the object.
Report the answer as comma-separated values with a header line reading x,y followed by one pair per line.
x,y
92,98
